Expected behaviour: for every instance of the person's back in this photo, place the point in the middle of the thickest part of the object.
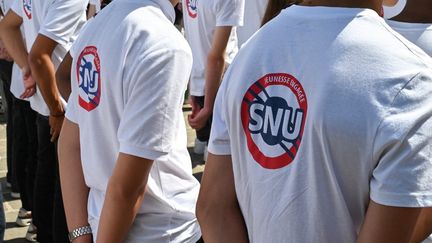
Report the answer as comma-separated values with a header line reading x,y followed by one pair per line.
x,y
317,112
126,100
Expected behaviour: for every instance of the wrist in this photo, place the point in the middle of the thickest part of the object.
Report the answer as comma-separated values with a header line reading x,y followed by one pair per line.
x,y
80,234
57,110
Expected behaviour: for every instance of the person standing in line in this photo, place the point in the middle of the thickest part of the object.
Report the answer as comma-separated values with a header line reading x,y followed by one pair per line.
x,y
24,145
50,28
211,33
322,130
125,170
415,24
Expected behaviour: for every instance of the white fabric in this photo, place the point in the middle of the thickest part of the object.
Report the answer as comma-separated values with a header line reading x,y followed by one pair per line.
x,y
339,121
97,4
5,5
390,12
17,85
419,34
201,17
59,20
132,103
253,14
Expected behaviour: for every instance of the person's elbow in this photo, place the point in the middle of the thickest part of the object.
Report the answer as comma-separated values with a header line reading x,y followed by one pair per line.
x,y
204,207
216,58
36,59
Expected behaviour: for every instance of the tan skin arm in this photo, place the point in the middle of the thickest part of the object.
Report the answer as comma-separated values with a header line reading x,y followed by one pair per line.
x,y
423,226
63,76
91,11
217,210
10,34
213,76
123,199
43,72
384,224
74,190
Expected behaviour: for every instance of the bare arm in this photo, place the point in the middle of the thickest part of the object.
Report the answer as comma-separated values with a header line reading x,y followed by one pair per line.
x,y
63,76
123,199
43,72
10,34
384,224
74,190
91,11
213,75
218,211
423,226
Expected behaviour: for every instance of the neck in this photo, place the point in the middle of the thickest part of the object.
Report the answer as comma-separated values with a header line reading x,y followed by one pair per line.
x,y
174,2
418,11
371,4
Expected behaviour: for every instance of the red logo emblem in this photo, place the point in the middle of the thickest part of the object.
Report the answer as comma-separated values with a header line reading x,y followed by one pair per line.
x,y
191,6
89,79
273,114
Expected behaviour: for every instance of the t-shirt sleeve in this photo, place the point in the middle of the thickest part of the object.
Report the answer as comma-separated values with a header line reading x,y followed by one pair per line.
x,y
153,97
219,142
229,12
403,148
63,19
71,107
17,7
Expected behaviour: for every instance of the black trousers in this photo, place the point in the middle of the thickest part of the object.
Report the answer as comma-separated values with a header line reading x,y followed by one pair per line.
x,y
24,150
49,216
5,76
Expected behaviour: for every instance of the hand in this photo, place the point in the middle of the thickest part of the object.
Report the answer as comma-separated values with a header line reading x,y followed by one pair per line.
x,y
55,123
29,84
199,116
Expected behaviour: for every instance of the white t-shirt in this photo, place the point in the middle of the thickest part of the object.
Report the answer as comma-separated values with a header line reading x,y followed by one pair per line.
x,y
253,15
59,20
17,86
201,17
317,128
97,4
5,5
419,34
128,82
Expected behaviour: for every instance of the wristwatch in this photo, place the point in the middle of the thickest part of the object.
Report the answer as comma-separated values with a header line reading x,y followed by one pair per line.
x,y
85,230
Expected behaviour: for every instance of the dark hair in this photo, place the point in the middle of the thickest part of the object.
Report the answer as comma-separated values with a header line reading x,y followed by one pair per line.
x,y
104,3
274,7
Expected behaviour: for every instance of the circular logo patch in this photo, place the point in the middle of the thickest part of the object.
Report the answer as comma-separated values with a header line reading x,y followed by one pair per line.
x,y
27,6
89,80
273,114
191,6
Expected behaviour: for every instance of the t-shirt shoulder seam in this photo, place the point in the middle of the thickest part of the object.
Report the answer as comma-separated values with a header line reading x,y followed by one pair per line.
x,y
388,114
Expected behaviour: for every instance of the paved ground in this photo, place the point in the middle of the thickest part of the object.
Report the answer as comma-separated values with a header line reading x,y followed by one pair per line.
x,y
15,234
